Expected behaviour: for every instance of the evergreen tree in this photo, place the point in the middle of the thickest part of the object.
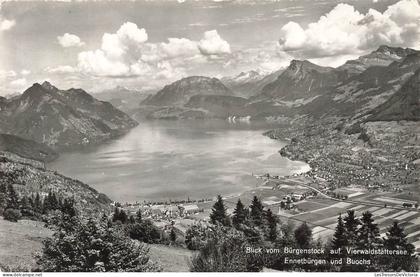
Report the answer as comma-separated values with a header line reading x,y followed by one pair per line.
x,y
303,235
3,195
145,231
51,202
116,214
218,213
12,198
38,205
256,212
26,208
368,238
239,214
396,239
339,239
172,235
368,231
139,216
68,207
351,224
271,225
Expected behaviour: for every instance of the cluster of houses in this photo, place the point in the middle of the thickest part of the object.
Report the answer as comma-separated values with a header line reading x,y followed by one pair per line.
x,y
163,211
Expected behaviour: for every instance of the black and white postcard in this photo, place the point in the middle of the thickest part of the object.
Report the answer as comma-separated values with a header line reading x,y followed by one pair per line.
x,y
209,136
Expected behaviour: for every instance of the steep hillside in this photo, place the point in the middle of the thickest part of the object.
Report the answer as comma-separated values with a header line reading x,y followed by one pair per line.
x,y
301,80
180,92
26,148
371,88
218,105
403,105
62,118
29,177
383,56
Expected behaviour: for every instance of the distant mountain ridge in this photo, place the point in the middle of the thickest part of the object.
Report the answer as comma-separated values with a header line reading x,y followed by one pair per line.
x,y
124,99
303,89
250,83
180,92
61,118
383,56
300,80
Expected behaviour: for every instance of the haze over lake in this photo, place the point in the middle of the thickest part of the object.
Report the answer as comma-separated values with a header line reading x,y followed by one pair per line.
x,y
161,160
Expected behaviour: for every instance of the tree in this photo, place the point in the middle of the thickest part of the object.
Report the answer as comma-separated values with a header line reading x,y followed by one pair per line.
x,y
172,235
240,214
51,202
271,225
368,231
90,246
256,212
225,251
26,208
12,215
119,216
351,224
38,205
139,216
67,207
195,237
3,195
218,213
145,231
368,238
396,239
339,238
303,235
12,198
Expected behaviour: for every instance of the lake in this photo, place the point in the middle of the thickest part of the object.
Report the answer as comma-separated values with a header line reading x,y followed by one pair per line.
x,y
162,160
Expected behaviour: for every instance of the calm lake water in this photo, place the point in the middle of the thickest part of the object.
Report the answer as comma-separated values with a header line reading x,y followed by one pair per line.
x,y
161,160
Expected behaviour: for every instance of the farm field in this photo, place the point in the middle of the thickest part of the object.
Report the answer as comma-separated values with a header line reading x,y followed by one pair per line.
x,y
321,215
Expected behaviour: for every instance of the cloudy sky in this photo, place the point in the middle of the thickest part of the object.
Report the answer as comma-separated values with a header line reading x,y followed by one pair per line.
x,y
147,44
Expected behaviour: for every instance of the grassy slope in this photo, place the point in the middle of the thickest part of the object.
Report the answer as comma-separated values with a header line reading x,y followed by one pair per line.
x,y
19,243
172,259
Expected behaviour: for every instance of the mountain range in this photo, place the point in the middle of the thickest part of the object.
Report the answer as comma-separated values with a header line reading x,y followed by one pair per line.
x,y
191,97
122,98
180,92
250,83
403,105
303,89
61,118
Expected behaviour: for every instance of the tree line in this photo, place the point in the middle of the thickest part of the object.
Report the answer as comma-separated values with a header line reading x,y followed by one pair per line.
x,y
14,207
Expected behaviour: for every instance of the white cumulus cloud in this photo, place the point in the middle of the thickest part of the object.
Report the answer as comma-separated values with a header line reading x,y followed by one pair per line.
x,y
213,44
5,24
70,40
344,30
127,53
